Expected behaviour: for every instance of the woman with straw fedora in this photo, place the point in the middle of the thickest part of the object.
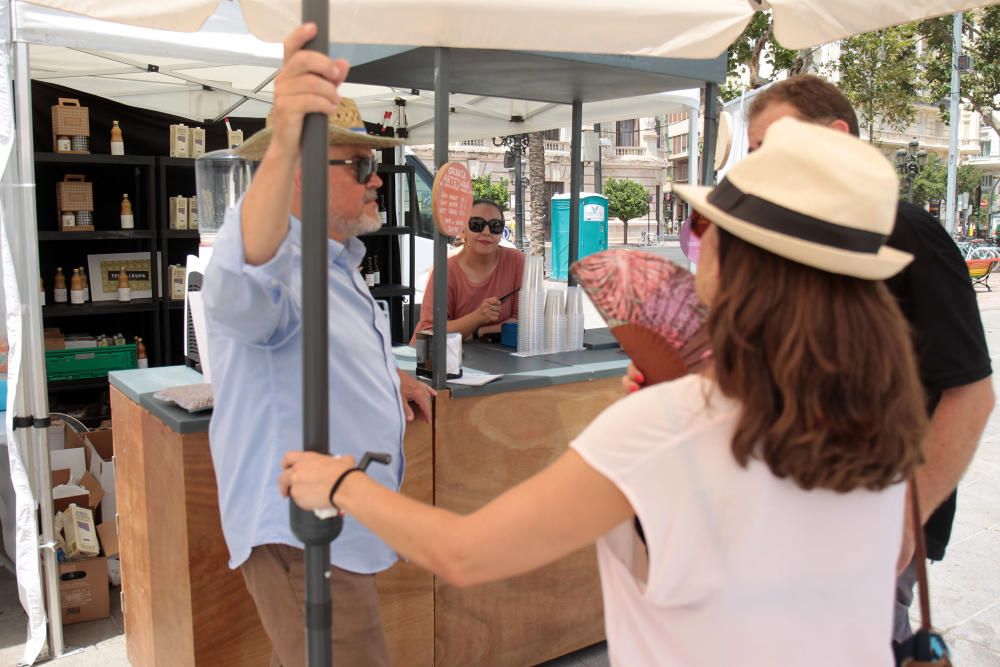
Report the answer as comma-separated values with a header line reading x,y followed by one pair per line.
x,y
723,503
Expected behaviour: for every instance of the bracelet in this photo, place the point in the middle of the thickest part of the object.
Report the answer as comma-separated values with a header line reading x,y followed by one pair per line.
x,y
336,485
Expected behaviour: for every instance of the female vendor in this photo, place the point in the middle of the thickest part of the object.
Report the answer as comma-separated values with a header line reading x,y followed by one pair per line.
x,y
483,278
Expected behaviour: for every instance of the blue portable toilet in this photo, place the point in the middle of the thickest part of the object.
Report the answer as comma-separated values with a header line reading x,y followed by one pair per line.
x,y
593,230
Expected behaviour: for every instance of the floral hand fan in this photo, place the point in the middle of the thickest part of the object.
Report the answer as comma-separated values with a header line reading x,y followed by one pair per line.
x,y
651,308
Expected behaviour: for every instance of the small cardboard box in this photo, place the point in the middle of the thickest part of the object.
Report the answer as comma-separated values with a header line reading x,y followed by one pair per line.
x,y
234,139
179,136
192,212
91,500
196,143
102,466
81,533
178,213
83,590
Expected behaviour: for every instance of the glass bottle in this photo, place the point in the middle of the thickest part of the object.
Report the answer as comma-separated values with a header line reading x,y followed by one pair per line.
x,y
140,353
377,280
124,291
117,143
76,288
128,221
41,291
86,284
59,292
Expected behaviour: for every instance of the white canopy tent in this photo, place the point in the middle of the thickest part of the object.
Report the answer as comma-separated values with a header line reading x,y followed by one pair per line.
x,y
201,37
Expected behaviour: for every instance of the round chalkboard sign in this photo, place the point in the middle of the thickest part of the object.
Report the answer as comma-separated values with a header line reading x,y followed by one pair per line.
x,y
452,198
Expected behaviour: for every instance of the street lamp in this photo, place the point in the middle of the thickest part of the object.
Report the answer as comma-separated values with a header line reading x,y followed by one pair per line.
x,y
909,162
517,145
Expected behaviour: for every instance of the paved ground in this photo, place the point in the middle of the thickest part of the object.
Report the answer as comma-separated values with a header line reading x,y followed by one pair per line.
x,y
965,587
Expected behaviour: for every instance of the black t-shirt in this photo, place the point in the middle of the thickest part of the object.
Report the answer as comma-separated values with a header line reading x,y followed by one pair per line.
x,y
936,296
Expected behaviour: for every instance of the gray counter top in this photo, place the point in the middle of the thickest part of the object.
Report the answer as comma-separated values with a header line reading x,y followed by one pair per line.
x,y
519,373
140,384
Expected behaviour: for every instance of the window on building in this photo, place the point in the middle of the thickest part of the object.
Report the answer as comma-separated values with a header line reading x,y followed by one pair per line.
x,y
679,144
551,135
987,148
681,172
627,132
677,117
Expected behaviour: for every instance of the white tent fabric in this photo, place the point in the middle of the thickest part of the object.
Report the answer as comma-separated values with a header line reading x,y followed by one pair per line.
x,y
737,109
634,27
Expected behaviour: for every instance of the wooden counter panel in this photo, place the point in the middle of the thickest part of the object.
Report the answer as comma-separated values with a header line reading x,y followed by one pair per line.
x,y
227,630
484,446
133,528
406,592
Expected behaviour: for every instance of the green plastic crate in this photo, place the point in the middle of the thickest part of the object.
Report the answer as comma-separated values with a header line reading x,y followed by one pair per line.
x,y
88,362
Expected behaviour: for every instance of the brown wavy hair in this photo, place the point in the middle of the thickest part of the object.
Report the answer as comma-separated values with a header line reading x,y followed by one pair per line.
x,y
823,366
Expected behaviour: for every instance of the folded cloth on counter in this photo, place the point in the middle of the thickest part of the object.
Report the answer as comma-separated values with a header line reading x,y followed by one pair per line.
x,y
190,397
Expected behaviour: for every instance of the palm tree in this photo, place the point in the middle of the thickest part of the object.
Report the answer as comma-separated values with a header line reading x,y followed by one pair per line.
x,y
536,185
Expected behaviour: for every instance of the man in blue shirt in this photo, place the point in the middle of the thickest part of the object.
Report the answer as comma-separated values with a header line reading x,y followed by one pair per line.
x,y
253,301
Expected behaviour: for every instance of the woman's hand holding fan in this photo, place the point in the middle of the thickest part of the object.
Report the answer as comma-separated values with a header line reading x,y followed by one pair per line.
x,y
651,307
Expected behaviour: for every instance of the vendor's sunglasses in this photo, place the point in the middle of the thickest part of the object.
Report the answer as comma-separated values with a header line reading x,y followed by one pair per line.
x,y
699,224
365,166
476,225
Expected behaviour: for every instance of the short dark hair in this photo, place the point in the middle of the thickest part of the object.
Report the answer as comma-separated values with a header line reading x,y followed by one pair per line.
x,y
816,99
488,202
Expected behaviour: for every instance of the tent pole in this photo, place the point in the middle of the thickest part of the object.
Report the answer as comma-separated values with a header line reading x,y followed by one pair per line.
x,y
439,358
711,133
598,180
32,359
315,533
575,182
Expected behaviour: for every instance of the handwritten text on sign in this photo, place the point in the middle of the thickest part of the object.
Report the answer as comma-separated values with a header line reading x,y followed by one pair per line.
x,y
452,198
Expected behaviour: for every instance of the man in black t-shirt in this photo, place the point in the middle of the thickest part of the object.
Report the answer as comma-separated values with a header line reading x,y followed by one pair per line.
x,y
936,296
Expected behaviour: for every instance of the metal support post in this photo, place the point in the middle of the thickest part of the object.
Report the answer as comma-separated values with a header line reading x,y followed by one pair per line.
x,y
439,378
575,182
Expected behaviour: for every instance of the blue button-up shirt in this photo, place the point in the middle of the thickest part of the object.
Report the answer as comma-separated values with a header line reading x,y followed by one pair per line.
x,y
254,316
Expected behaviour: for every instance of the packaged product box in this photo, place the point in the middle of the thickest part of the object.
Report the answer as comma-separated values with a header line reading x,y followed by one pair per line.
x,y
178,213
179,136
196,142
192,213
177,282
80,533
83,590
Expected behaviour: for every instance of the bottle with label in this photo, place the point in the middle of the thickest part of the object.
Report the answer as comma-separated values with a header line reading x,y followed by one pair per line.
x,y
124,291
381,209
86,284
117,143
59,292
140,353
369,273
41,291
377,280
128,222
76,288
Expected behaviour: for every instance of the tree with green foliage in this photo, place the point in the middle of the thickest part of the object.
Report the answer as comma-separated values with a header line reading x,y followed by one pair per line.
x,y
483,187
755,48
879,74
979,87
626,200
931,183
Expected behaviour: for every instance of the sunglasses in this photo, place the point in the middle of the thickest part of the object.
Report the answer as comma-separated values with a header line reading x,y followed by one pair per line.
x,y
365,167
476,225
699,224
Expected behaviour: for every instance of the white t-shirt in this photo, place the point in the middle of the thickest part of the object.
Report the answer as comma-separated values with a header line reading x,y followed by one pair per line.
x,y
744,568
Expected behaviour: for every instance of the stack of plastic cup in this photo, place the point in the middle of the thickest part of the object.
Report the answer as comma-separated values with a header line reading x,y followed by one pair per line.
x,y
531,307
555,321
574,319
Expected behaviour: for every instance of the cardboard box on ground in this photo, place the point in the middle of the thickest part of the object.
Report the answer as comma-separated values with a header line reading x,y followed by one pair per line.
x,y
88,508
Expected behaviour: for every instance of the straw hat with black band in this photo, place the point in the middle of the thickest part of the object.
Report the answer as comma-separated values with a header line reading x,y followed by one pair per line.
x,y
346,127
812,195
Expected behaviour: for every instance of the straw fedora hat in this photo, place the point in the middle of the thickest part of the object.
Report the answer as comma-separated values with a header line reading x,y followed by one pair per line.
x,y
813,195
346,127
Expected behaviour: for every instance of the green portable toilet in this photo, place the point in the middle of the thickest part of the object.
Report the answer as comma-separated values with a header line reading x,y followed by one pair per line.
x,y
593,230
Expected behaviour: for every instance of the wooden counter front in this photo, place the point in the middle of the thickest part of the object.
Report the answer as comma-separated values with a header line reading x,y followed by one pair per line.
x,y
183,606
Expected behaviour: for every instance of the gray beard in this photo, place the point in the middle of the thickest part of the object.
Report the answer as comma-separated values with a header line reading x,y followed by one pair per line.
x,y
362,224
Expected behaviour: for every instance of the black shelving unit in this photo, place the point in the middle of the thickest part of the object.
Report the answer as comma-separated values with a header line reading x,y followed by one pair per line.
x,y
174,177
